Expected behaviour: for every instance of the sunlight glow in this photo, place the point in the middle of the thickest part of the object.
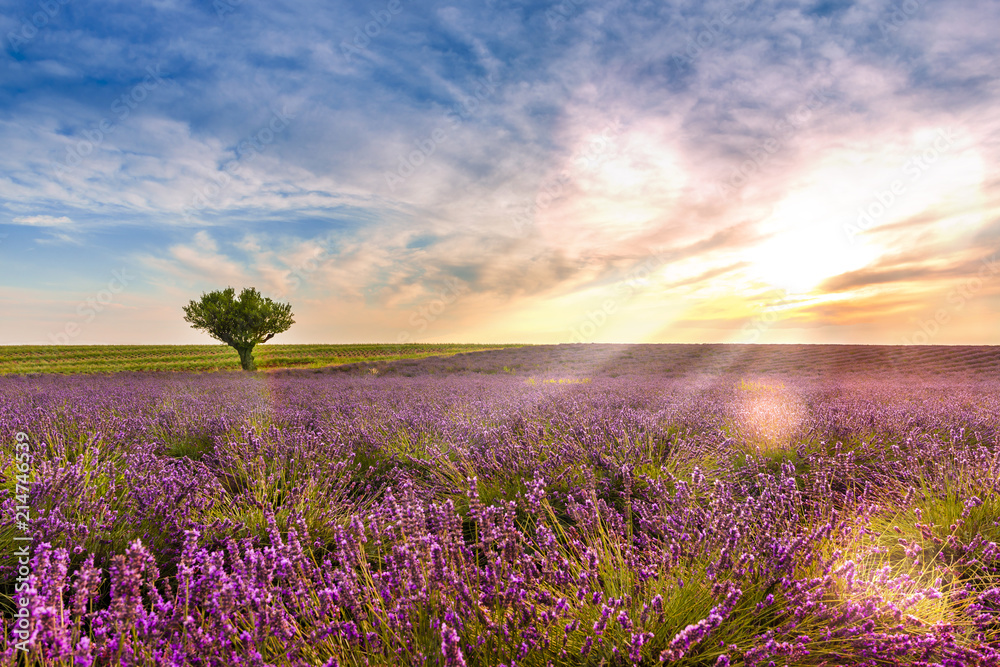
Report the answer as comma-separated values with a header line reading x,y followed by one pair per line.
x,y
768,415
854,207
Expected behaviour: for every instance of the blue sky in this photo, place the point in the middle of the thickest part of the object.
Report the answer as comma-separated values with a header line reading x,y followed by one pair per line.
x,y
737,171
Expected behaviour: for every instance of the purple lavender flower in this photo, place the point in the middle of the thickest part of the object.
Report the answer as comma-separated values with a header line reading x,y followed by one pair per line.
x,y
450,647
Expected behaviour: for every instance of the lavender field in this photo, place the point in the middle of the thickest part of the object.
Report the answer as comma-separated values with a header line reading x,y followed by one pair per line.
x,y
585,505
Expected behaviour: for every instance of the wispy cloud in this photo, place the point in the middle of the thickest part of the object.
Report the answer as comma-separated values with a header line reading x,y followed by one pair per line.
x,y
42,220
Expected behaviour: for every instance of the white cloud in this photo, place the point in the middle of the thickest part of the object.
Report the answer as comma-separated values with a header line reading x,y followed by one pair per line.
x,y
42,220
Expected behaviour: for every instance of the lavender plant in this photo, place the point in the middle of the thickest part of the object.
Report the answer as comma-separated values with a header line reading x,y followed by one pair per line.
x,y
474,518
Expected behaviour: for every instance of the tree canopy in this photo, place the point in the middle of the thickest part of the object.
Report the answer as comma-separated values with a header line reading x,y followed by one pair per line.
x,y
240,322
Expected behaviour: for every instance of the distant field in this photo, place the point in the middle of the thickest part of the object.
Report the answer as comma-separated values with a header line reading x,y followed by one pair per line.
x,y
21,359
821,362
668,360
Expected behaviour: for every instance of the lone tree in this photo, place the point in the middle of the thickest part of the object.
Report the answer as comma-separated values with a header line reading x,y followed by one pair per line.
x,y
240,323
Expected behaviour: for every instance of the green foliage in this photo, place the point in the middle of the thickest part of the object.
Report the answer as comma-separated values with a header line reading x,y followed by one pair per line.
x,y
242,323
193,446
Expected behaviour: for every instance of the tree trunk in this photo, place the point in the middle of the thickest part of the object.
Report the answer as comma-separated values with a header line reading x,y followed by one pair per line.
x,y
246,358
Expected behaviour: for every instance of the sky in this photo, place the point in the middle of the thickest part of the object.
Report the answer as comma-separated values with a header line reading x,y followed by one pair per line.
x,y
741,171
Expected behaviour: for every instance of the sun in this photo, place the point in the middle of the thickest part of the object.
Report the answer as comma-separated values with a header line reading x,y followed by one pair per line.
x,y
807,243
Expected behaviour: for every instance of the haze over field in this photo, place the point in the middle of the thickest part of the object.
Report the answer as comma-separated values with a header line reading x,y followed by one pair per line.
x,y
739,171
